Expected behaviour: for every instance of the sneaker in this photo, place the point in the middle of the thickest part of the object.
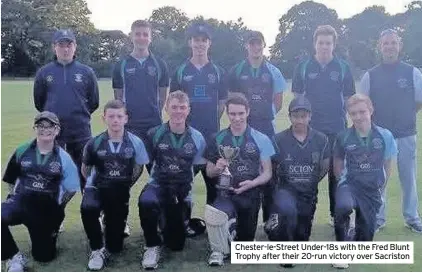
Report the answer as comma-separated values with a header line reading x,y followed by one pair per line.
x,y
331,222
126,232
61,228
97,259
17,263
102,222
341,266
415,227
151,257
351,234
287,265
379,227
216,258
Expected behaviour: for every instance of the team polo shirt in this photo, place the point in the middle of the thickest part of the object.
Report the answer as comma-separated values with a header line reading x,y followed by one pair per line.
x,y
173,155
41,176
365,157
253,147
259,86
140,81
326,87
205,88
395,90
113,163
298,164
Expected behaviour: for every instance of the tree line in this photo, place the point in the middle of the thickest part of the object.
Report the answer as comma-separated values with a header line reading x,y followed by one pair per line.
x,y
28,25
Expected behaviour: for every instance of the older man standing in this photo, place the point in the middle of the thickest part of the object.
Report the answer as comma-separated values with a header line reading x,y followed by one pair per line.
x,y
395,89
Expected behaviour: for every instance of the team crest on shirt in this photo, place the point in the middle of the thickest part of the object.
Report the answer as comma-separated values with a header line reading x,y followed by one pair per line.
x,y
26,163
54,167
49,78
289,158
250,148
188,78
130,70
188,147
128,152
402,83
377,142
334,76
152,71
101,152
265,77
312,76
78,77
211,78
315,157
244,77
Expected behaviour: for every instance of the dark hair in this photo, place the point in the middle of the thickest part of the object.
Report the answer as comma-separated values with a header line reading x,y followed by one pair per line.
x,y
238,99
114,104
140,23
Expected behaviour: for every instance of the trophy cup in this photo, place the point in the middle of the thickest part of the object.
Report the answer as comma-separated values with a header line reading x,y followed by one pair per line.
x,y
225,180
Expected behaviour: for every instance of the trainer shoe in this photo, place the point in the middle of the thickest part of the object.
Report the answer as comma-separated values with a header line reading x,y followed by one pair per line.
x,y
331,222
341,266
17,263
61,228
151,257
97,259
126,232
379,227
287,265
415,227
102,222
216,259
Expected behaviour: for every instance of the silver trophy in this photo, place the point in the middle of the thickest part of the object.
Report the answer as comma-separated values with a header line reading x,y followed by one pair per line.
x,y
229,153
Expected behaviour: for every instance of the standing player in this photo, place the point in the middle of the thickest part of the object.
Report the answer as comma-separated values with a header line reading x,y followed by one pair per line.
x,y
69,89
203,82
395,88
301,161
363,156
174,148
263,85
234,215
44,178
112,163
326,81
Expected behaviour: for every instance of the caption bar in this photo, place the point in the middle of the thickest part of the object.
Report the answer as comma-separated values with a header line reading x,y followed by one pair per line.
x,y
322,252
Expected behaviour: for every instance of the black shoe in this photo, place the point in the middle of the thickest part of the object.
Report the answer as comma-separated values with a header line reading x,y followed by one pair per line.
x,y
287,265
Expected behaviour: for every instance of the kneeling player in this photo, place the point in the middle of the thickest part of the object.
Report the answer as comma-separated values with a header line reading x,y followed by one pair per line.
x,y
300,162
362,164
174,148
44,178
112,163
234,213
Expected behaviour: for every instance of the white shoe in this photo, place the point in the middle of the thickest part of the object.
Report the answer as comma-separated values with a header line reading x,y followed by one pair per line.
x,y
102,222
97,259
331,222
216,258
61,228
341,266
17,263
126,232
151,257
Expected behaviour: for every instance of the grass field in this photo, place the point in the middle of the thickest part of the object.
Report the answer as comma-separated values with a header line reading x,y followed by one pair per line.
x,y
17,112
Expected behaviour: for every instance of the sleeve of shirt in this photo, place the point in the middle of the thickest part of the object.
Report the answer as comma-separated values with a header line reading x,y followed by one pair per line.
x,y
70,180
223,84
40,91
265,145
417,81
165,77
279,83
88,153
174,83
200,145
232,80
141,153
298,85
390,144
117,80
211,152
365,84
149,144
348,83
338,150
93,92
12,170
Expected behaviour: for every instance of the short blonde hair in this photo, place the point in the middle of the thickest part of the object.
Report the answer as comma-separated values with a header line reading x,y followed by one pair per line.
x,y
357,98
325,30
179,95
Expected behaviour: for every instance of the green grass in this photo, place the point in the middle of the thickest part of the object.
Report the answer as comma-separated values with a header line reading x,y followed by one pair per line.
x,y
17,115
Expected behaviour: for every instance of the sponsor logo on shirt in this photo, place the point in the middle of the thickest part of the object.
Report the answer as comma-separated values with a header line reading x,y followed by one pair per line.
x,y
55,167
114,168
130,70
174,168
402,83
211,78
365,166
26,164
38,185
152,71
49,78
377,143
334,76
244,77
250,147
78,77
188,148
351,147
301,169
128,152
38,181
188,78
312,76
242,168
265,77
101,152
256,97
163,146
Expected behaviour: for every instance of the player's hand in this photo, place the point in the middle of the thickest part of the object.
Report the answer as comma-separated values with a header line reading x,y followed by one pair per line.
x,y
244,186
221,164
